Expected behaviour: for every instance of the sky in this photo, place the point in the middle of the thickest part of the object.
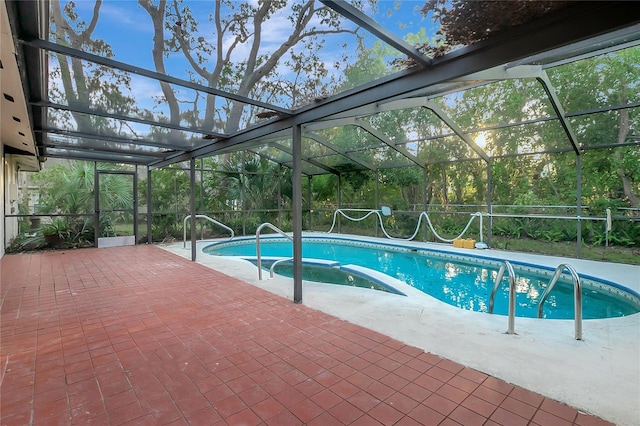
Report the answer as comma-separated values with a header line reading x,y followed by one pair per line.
x,y
128,29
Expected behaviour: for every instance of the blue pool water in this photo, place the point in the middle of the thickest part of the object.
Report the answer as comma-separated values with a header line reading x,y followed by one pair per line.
x,y
462,281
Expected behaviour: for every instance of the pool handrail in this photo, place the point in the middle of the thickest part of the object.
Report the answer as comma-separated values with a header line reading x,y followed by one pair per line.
x,y
577,296
277,262
387,212
506,265
203,216
258,256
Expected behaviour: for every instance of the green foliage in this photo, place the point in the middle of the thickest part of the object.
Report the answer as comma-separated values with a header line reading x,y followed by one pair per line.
x,y
59,232
70,189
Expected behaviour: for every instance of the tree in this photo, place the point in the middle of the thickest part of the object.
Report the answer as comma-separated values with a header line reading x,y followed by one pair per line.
x,y
69,189
254,180
463,23
606,80
214,60
85,85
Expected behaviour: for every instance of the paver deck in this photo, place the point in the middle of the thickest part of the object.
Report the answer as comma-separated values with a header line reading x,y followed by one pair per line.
x,y
137,336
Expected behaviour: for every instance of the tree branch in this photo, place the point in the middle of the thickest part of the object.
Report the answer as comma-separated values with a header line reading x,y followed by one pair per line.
x,y
186,48
85,36
157,18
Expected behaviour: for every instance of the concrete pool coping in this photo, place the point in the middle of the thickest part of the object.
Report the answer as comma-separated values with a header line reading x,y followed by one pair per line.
x,y
599,375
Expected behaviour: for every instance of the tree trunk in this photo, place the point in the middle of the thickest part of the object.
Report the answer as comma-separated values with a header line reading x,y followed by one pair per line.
x,y
627,185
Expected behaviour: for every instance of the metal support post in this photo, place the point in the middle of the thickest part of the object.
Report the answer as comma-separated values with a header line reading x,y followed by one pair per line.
x,y
489,205
309,201
297,213
201,184
149,208
192,206
201,204
424,201
339,203
280,195
377,206
96,204
135,205
243,206
579,203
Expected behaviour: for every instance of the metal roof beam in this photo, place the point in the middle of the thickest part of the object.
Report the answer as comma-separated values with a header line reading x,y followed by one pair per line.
x,y
266,156
331,146
532,121
366,22
85,56
589,47
307,159
504,73
270,158
75,147
385,139
603,109
434,91
99,113
457,129
118,139
328,124
557,107
100,157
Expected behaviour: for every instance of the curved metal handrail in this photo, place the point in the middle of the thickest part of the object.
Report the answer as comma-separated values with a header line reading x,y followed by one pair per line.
x,y
512,294
202,216
422,215
277,262
258,256
577,296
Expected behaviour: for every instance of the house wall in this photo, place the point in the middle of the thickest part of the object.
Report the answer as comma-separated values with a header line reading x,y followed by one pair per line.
x,y
8,185
2,199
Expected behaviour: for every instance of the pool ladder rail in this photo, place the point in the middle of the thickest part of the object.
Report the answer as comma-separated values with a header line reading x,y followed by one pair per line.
x,y
202,216
276,263
577,296
577,293
506,265
258,255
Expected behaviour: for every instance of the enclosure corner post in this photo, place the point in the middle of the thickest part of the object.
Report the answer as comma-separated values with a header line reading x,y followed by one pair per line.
x,y
149,209
135,205
192,206
297,213
96,204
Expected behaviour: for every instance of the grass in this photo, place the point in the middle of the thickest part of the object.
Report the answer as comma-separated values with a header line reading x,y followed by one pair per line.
x,y
615,254
628,255
122,229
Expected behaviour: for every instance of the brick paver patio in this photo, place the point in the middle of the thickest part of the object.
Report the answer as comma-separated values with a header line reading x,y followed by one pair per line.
x,y
139,336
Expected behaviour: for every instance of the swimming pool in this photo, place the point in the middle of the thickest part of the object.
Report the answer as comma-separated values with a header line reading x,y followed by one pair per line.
x,y
464,281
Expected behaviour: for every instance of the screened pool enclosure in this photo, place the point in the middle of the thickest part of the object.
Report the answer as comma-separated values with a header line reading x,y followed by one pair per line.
x,y
283,112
